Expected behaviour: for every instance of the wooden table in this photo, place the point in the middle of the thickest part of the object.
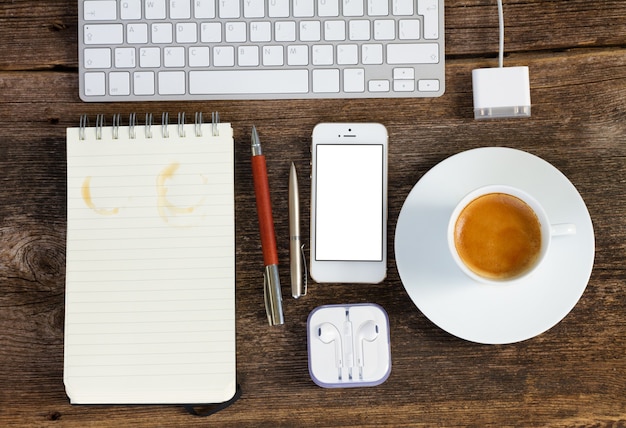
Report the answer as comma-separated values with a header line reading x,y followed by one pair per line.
x,y
572,375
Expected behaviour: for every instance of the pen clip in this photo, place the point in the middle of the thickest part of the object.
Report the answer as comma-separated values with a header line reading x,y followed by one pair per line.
x,y
306,273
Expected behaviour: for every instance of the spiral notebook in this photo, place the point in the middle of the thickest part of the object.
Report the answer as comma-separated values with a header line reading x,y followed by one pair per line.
x,y
150,270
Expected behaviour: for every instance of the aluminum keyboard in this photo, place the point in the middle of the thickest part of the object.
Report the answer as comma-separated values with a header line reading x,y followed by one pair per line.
x,y
141,50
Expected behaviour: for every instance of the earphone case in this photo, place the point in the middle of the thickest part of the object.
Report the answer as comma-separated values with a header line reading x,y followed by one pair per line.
x,y
349,345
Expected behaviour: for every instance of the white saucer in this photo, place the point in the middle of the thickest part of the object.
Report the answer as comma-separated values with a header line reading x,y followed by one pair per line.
x,y
484,313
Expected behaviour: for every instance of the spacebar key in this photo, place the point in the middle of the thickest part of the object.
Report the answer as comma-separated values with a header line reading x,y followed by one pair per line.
x,y
248,82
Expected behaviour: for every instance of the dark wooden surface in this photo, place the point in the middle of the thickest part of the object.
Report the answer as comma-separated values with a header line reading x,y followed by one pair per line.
x,y
572,375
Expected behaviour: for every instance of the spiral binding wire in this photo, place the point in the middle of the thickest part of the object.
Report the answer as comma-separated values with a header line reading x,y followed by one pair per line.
x,y
99,125
149,121
148,127
215,120
84,123
132,121
116,126
165,123
181,124
198,124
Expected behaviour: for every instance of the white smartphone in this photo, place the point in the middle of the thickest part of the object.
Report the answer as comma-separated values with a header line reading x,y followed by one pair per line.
x,y
349,203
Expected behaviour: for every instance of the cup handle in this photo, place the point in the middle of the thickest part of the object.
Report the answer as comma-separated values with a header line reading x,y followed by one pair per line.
x,y
562,229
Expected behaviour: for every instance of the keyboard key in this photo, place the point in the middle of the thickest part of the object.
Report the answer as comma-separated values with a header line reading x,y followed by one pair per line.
x,y
211,32
328,7
278,8
125,58
199,56
335,30
229,9
104,34
130,9
143,83
100,10
162,33
180,9
254,8
378,85
326,80
372,54
359,29
310,31
352,7
429,9
297,55
174,57
248,56
384,29
404,85
413,53
235,32
223,56
377,8
249,82
260,31
347,54
171,82
323,55
94,84
97,58
404,73
409,29
186,32
428,85
204,9
149,57
273,56
403,7
303,8
285,31
354,80
155,9
137,33
119,83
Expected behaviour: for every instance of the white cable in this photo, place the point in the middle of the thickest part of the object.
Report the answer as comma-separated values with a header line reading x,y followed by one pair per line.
x,y
501,25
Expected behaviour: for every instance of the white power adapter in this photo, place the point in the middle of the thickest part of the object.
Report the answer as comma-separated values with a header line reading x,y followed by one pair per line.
x,y
501,92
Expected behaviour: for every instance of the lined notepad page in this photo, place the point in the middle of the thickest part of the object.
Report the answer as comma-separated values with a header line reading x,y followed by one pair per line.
x,y
150,274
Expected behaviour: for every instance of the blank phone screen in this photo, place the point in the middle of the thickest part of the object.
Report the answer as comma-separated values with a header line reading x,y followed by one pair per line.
x,y
349,208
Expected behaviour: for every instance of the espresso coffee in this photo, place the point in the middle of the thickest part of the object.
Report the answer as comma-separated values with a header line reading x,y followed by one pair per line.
x,y
498,236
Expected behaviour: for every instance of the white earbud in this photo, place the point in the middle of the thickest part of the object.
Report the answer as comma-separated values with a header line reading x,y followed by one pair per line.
x,y
368,331
328,333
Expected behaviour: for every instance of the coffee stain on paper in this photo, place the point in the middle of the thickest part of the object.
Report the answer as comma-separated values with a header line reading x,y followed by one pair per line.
x,y
87,198
169,210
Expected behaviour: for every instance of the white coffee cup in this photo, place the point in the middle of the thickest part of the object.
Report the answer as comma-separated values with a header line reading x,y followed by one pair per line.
x,y
497,230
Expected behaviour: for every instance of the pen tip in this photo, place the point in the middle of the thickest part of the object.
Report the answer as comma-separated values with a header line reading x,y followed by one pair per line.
x,y
256,143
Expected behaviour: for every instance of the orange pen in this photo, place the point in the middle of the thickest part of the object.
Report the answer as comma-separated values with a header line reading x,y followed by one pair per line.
x,y
271,281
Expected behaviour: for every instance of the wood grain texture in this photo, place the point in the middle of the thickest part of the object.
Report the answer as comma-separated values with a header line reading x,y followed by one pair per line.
x,y
572,375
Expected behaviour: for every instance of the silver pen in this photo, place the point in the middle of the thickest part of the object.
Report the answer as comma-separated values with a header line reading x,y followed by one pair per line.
x,y
296,248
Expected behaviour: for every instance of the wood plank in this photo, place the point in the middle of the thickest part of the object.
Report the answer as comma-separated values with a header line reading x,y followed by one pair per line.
x,y
48,30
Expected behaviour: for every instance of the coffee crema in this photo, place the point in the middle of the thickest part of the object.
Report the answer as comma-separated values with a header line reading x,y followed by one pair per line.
x,y
498,236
